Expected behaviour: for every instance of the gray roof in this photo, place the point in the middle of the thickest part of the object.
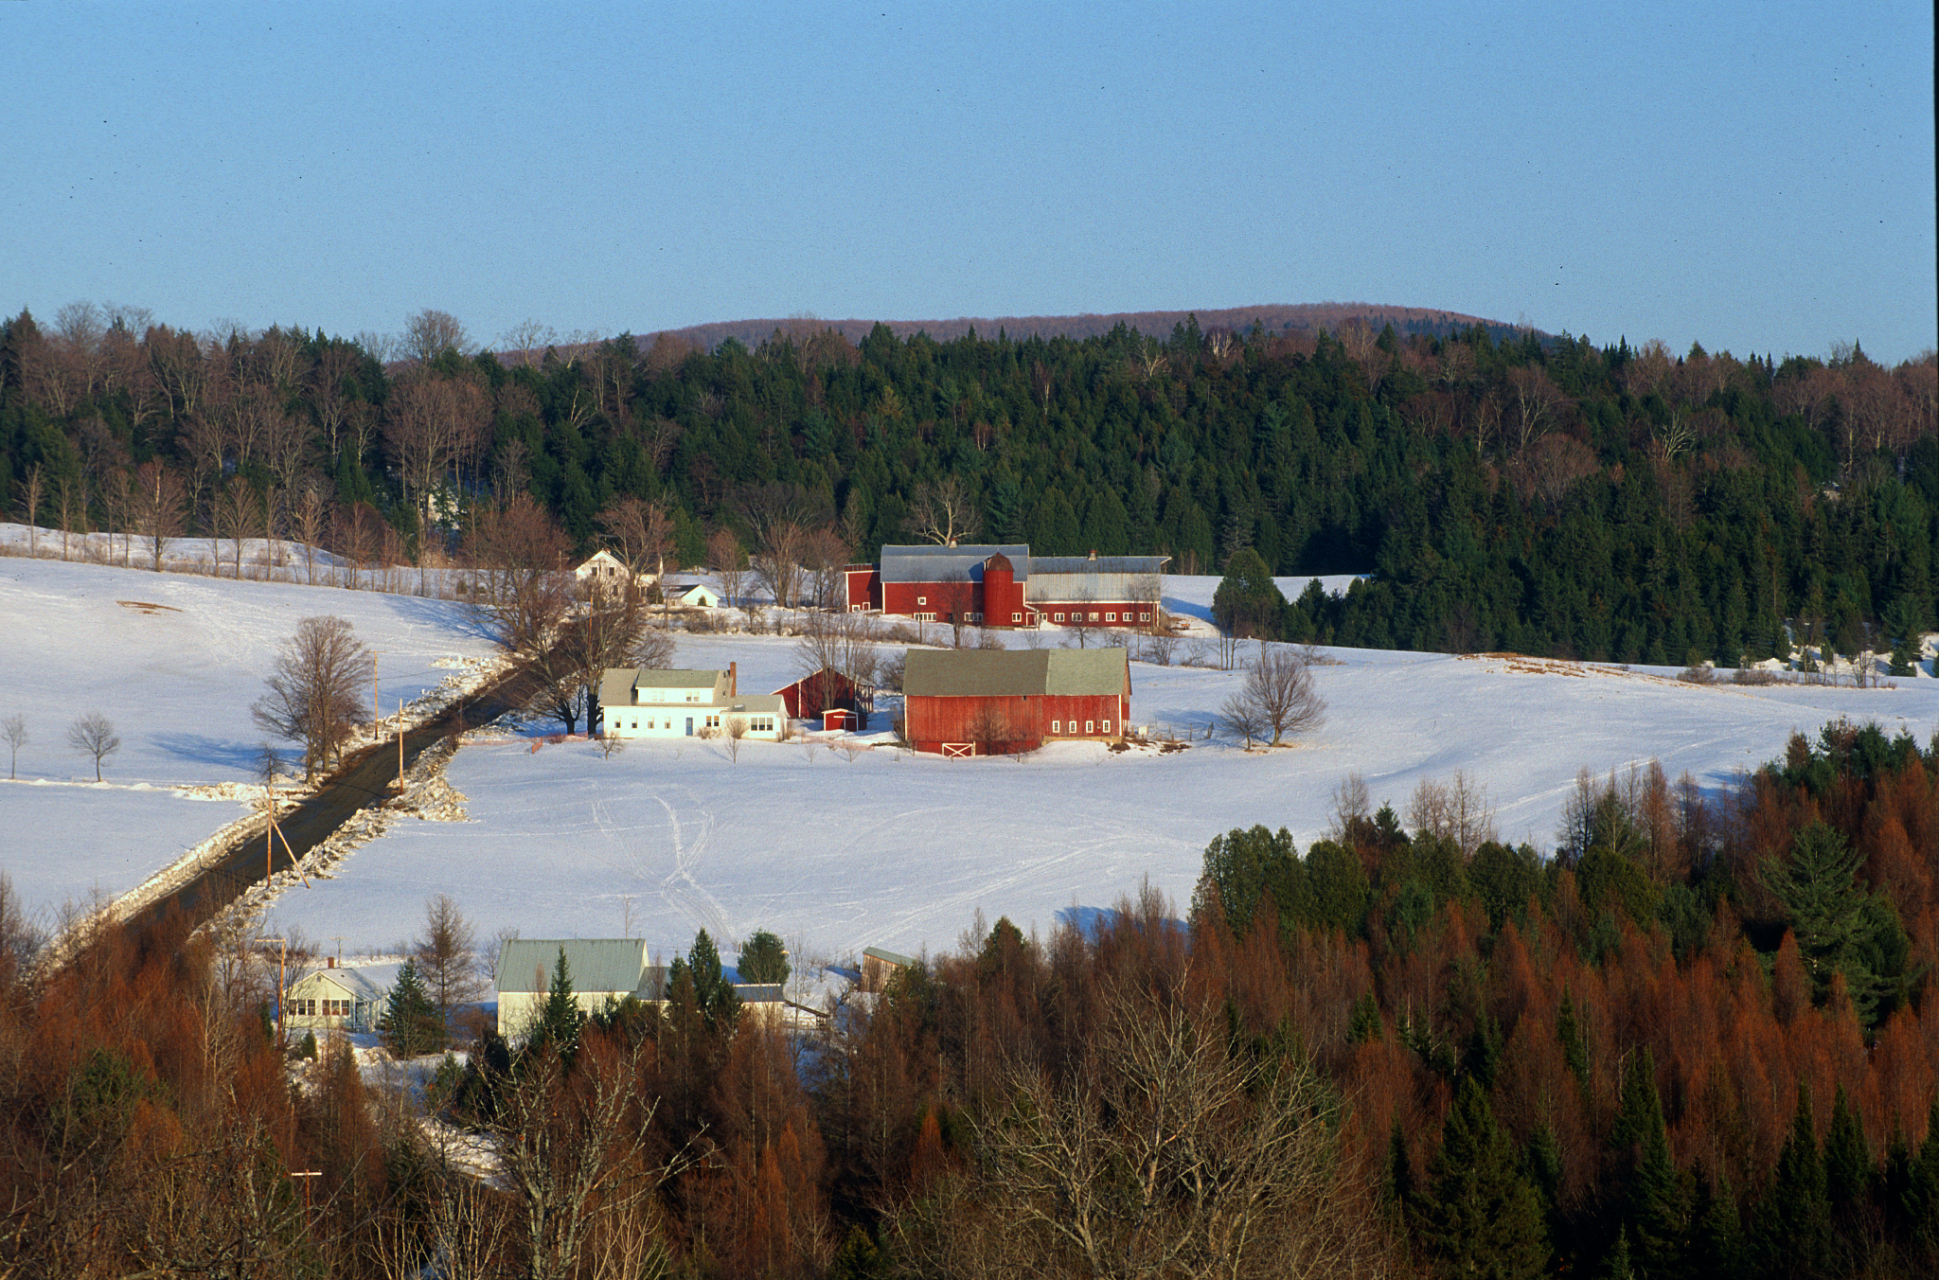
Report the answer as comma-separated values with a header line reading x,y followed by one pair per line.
x,y
758,992
617,685
888,957
1102,564
593,964
960,673
932,564
352,982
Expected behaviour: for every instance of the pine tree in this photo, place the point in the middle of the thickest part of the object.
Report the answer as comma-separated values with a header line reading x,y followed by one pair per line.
x,y
1481,1216
715,994
410,1024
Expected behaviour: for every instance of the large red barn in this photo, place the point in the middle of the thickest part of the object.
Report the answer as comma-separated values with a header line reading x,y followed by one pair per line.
x,y
994,701
1006,586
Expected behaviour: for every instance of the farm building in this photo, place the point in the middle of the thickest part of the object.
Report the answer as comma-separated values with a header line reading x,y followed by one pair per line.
x,y
333,999
992,701
685,593
1005,586
813,696
879,966
637,702
601,970
603,572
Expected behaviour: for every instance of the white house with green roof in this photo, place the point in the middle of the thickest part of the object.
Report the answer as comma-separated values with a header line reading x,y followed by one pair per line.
x,y
600,970
639,702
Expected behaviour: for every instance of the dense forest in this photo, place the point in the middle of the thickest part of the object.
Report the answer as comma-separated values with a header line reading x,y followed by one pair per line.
x,y
1697,1040
1498,490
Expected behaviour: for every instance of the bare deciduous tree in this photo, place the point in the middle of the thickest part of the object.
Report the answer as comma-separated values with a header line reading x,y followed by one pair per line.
x,y
14,730
430,333
93,735
315,693
1457,810
729,563
447,958
1160,1151
944,513
1278,695
161,506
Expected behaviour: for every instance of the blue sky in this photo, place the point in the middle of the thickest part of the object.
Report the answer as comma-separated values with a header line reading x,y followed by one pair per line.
x,y
1757,178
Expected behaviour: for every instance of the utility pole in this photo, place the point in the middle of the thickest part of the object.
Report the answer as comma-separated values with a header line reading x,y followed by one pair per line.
x,y
373,694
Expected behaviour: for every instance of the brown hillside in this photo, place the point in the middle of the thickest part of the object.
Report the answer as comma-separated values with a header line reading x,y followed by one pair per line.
x,y
1276,318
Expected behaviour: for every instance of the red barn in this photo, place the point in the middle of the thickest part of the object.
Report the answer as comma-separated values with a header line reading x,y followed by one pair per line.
x,y
1006,586
825,690
995,701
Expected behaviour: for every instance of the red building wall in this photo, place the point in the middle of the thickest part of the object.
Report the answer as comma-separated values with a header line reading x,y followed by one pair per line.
x,y
864,587
930,722
940,598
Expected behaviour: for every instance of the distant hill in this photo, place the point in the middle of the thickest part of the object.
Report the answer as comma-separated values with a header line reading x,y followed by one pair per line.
x,y
1273,319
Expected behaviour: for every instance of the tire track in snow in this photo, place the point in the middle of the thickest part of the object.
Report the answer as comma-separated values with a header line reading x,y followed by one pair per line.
x,y
678,889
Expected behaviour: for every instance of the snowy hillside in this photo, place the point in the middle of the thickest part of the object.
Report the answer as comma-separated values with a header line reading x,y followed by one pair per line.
x,y
832,852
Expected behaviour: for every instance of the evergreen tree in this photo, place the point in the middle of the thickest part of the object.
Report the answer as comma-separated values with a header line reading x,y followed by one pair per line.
x,y
763,958
1248,602
560,1017
1481,1216
410,1023
1829,913
711,988
1793,1233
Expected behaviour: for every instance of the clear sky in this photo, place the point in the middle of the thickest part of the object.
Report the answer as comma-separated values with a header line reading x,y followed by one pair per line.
x,y
1759,178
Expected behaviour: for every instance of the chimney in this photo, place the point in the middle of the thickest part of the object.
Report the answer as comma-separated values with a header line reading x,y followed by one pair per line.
x,y
330,962
1093,553
733,680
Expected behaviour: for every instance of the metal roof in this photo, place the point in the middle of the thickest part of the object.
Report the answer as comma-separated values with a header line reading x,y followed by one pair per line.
x,y
758,992
931,564
888,957
1100,564
352,982
960,673
1088,671
593,964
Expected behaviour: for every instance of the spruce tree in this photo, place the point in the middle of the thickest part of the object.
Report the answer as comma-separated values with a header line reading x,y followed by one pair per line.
x,y
1793,1233
1829,912
560,1017
1481,1216
411,1025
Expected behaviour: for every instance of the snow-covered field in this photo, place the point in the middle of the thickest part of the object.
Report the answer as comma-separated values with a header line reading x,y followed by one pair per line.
x,y
833,853
174,661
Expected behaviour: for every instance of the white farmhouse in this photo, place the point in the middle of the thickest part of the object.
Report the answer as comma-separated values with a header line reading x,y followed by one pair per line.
x,y
636,702
333,999
601,971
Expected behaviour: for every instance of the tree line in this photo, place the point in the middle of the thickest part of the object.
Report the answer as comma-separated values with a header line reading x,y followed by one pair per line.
x,y
1697,1039
1498,490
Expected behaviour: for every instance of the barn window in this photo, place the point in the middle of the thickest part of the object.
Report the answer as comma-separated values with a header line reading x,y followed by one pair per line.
x,y
922,599
1056,726
1144,617
1110,617
1094,615
1087,727
1107,726
1059,617
1016,617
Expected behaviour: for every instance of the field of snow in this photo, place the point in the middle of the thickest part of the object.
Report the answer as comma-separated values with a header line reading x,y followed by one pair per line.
x,y
174,661
833,853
